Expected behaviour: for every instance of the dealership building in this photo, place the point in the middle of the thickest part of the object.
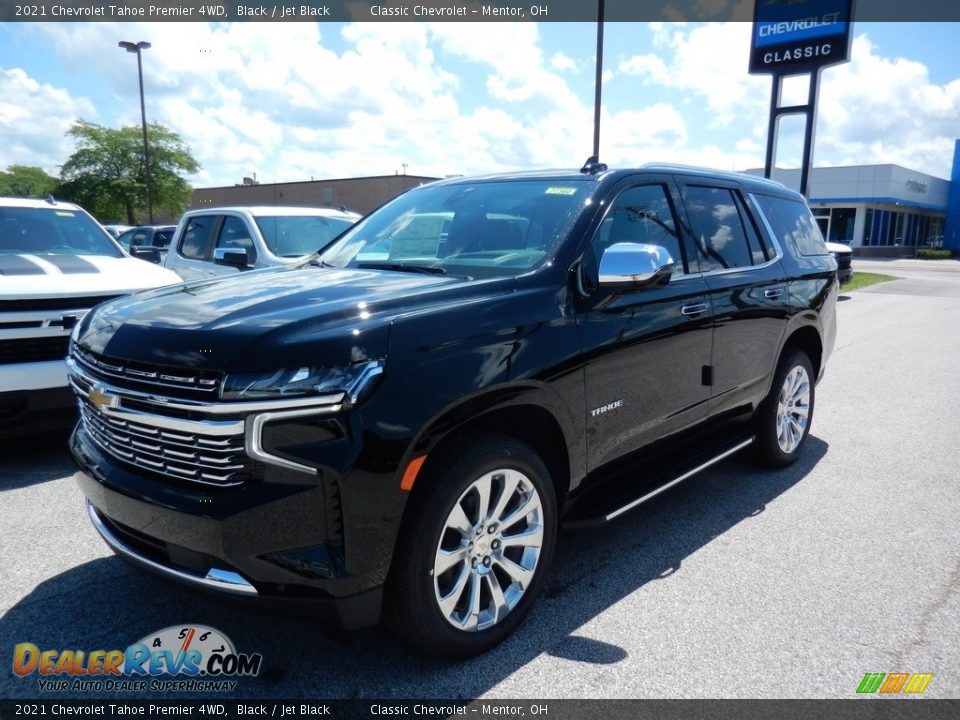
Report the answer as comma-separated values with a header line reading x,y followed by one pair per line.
x,y
361,194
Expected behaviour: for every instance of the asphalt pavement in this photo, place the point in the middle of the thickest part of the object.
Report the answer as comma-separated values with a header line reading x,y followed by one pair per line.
x,y
737,583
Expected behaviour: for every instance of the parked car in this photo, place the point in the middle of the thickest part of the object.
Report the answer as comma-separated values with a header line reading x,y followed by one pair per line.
x,y
56,262
223,241
117,230
405,421
148,242
844,256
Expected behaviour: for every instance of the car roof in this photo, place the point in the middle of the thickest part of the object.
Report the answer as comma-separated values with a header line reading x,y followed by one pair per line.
x,y
48,204
257,210
606,176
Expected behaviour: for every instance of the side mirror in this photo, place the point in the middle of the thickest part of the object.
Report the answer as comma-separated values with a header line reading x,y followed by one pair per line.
x,y
233,257
635,265
142,252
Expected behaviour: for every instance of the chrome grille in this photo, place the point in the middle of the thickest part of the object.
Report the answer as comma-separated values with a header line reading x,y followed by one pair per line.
x,y
187,456
209,451
180,435
33,349
189,384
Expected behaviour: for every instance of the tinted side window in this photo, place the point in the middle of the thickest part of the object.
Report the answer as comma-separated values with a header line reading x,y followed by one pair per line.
x,y
718,231
793,224
759,250
194,243
162,238
763,233
641,215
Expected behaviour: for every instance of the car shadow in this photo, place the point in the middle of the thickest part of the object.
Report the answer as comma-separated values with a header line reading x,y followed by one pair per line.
x,y
105,604
34,459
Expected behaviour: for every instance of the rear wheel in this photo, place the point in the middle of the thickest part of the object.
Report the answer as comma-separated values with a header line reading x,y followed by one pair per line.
x,y
783,419
476,546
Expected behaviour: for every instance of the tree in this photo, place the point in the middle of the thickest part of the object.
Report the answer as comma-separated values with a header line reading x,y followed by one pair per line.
x,y
26,181
106,173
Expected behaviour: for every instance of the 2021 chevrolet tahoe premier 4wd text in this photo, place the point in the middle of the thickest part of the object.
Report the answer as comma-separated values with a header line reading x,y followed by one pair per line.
x,y
404,422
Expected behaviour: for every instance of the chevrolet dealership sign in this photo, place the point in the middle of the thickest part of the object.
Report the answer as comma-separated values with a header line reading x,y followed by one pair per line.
x,y
798,36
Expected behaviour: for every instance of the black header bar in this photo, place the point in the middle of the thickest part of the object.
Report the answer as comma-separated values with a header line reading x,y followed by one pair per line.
x,y
202,709
439,10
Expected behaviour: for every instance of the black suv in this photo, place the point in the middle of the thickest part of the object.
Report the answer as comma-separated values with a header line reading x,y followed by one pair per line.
x,y
405,420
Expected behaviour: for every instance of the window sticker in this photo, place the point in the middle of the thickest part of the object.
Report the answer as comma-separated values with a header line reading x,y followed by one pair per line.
x,y
561,191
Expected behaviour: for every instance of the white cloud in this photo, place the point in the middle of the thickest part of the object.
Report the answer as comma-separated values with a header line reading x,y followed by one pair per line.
x,y
34,118
709,62
563,62
885,110
278,100
874,109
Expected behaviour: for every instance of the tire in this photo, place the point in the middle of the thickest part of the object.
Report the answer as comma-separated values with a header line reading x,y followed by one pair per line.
x,y
784,417
463,579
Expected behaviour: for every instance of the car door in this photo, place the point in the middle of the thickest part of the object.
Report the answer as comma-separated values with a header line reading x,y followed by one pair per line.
x,y
747,289
645,349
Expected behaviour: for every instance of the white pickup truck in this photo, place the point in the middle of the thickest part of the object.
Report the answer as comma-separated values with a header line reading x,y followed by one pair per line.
x,y
56,262
222,241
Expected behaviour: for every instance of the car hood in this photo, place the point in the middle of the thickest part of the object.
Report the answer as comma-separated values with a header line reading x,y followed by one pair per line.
x,y
267,319
27,277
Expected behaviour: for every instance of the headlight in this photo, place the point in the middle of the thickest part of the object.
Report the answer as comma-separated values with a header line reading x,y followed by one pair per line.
x,y
353,380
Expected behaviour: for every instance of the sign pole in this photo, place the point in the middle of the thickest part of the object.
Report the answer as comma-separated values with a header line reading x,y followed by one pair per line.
x,y
791,39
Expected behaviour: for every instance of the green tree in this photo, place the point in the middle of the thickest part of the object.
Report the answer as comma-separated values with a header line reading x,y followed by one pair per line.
x,y
106,173
26,181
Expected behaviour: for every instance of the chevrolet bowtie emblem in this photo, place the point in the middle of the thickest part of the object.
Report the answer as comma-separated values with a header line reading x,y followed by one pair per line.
x,y
101,399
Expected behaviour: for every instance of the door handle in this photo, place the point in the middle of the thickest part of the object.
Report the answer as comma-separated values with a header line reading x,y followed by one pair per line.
x,y
773,293
695,309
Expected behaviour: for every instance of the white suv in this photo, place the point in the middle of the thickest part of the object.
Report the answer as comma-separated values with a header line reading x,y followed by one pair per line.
x,y
56,262
226,240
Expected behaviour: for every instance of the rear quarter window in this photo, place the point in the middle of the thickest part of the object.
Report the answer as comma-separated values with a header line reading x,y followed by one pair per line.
x,y
793,224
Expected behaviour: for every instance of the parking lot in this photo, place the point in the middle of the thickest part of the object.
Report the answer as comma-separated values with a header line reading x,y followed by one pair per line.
x,y
737,583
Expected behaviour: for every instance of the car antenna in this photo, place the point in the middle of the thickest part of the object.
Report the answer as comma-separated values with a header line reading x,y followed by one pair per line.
x,y
593,166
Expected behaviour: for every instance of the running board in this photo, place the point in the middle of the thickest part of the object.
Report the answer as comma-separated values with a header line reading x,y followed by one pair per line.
x,y
601,512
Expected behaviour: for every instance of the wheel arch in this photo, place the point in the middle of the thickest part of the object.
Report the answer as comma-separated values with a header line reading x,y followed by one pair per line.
x,y
806,339
528,414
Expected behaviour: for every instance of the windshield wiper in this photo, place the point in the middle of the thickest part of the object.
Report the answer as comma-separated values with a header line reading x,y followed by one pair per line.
x,y
403,267
317,262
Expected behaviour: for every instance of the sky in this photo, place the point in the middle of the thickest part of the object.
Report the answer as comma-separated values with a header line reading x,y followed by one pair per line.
x,y
294,101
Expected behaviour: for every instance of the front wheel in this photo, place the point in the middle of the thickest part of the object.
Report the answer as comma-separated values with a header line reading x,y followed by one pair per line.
x,y
475,548
784,417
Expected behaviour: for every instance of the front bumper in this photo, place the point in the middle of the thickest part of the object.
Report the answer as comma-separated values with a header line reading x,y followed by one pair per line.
x,y
278,542
23,412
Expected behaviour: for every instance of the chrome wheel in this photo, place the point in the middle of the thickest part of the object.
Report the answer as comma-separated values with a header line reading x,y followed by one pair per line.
x,y
488,550
793,409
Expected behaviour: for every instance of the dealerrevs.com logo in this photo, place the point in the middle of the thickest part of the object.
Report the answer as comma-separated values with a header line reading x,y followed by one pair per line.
x,y
177,658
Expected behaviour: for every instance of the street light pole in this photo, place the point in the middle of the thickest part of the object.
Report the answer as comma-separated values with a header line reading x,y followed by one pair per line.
x,y
136,48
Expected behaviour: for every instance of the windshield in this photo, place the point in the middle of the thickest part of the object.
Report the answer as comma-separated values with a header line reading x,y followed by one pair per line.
x,y
52,231
483,229
295,235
